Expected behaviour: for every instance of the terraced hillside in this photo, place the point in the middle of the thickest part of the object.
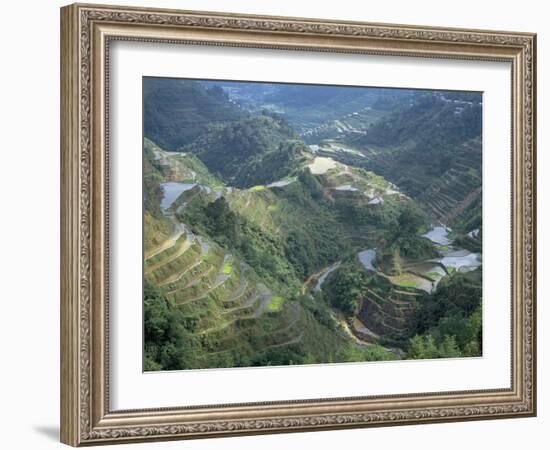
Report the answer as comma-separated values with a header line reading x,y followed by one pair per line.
x,y
309,107
236,313
388,307
262,250
221,299
437,138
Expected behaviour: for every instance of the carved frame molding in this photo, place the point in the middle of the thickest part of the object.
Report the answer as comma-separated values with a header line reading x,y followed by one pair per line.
x,y
86,32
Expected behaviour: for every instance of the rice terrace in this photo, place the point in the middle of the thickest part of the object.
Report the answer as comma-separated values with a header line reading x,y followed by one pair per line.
x,y
294,224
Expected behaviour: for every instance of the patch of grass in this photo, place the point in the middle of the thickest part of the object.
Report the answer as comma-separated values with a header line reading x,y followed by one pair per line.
x,y
450,269
205,256
275,303
228,266
433,275
187,181
408,283
259,187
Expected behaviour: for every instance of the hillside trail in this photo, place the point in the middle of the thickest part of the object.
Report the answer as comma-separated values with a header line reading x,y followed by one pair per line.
x,y
168,243
339,316
317,275
183,248
265,294
220,279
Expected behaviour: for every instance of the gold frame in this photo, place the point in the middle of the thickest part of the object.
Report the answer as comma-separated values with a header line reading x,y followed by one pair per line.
x,y
86,31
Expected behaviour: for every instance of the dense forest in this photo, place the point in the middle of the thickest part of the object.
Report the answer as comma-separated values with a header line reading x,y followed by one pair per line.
x,y
296,224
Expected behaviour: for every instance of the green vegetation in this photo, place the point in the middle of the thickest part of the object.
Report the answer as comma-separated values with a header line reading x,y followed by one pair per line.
x,y
241,272
153,176
169,341
370,353
400,224
432,275
228,266
426,348
347,288
310,105
470,220
449,319
248,152
275,303
402,232
430,122
438,143
300,236
408,283
178,111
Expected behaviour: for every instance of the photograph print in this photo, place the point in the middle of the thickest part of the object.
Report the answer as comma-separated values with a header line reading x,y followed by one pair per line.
x,y
288,224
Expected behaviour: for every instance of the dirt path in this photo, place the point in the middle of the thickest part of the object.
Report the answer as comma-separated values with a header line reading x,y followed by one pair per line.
x,y
243,285
266,295
183,248
318,275
294,340
177,276
170,242
222,278
339,316
262,307
247,304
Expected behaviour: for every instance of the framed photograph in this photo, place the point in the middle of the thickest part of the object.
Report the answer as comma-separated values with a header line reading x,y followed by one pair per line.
x,y
275,224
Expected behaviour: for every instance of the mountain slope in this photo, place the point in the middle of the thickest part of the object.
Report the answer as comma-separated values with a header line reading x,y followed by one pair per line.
x,y
307,106
224,289
245,224
438,141
177,111
249,151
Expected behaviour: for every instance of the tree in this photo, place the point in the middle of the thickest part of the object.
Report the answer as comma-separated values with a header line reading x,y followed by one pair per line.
x,y
345,289
169,345
449,348
423,347
397,262
222,221
416,348
402,234
311,184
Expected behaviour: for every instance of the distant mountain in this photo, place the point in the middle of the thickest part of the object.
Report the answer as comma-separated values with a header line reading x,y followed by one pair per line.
x,y
341,99
250,151
176,111
308,105
430,121
431,150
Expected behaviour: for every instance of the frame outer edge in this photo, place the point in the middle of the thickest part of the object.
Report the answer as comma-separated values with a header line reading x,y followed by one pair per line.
x,y
79,425
70,298
533,136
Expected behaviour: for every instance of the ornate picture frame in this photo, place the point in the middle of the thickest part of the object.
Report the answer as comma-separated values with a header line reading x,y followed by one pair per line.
x,y
87,32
